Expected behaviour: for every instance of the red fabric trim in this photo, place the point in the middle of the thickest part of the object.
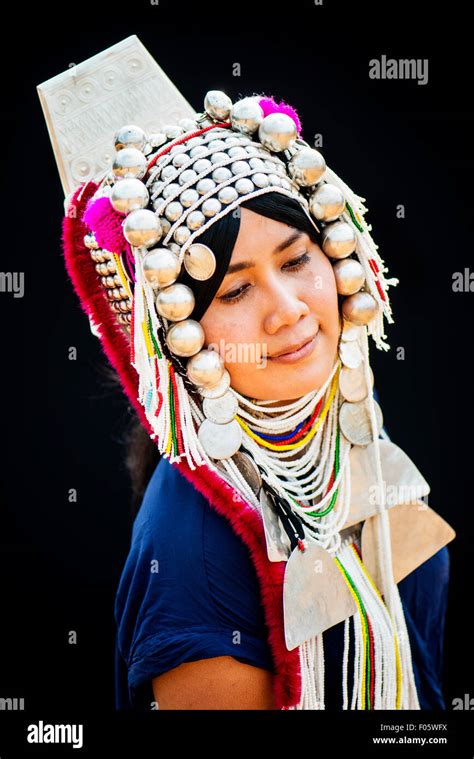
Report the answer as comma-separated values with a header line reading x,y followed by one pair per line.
x,y
244,520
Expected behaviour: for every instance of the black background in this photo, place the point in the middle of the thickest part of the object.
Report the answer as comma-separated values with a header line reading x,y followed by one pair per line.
x,y
393,141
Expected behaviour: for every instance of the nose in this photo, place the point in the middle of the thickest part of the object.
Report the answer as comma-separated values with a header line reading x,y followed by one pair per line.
x,y
283,307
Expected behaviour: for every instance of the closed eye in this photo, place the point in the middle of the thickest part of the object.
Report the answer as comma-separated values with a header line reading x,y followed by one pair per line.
x,y
295,264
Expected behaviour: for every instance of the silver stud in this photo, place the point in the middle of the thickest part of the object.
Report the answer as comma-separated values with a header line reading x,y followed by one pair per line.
x,y
215,145
219,157
188,197
169,172
221,174
237,151
188,175
170,189
228,194
181,234
211,207
256,163
157,139
260,179
205,185
189,125
172,131
202,164
239,167
197,151
180,160
174,210
244,186
195,220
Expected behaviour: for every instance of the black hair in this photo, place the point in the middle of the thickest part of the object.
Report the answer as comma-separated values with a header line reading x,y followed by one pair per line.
x,y
142,454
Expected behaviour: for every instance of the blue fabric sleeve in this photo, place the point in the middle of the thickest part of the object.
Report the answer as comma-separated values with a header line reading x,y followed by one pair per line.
x,y
424,596
188,590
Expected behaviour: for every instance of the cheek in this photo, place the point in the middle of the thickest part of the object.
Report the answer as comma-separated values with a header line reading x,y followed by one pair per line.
x,y
321,294
227,329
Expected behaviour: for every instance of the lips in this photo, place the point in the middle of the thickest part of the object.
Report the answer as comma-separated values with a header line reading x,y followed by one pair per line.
x,y
294,347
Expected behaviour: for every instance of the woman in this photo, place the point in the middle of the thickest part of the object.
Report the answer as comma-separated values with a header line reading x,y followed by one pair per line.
x,y
248,328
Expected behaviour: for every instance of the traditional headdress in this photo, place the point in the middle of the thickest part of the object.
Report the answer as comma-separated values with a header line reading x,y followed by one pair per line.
x,y
143,218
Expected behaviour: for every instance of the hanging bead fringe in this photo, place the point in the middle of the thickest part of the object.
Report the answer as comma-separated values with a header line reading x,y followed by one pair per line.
x,y
367,252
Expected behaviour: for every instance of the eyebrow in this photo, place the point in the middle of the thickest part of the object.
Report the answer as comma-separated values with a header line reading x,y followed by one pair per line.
x,y
293,237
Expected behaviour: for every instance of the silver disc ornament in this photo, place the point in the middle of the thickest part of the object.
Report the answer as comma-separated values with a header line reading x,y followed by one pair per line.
x,y
222,409
350,331
350,354
220,441
354,421
199,261
353,385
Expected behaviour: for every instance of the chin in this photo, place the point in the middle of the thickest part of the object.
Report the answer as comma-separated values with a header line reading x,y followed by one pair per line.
x,y
285,382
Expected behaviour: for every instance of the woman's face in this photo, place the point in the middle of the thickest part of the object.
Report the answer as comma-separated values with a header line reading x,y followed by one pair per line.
x,y
279,292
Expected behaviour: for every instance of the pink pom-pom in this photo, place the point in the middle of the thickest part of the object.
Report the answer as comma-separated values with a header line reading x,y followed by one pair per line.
x,y
269,105
106,223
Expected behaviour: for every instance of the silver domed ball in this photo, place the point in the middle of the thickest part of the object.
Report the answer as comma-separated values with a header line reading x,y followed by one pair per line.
x,y
175,302
185,338
130,136
161,267
327,202
217,105
307,167
189,125
360,308
339,239
277,132
206,368
142,228
129,195
129,163
246,115
349,275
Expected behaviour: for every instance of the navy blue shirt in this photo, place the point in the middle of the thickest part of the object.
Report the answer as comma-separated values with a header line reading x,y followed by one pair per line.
x,y
189,591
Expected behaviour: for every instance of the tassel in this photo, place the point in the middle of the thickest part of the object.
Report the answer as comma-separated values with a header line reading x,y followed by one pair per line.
x,y
169,391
